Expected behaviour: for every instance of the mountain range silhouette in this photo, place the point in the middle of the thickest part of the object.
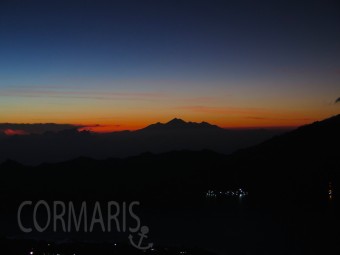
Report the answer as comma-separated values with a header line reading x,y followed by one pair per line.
x,y
292,167
56,146
287,178
180,124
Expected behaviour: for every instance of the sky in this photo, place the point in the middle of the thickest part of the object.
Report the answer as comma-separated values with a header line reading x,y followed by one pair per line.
x,y
127,64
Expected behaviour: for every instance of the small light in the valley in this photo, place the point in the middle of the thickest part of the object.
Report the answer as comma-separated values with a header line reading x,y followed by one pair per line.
x,y
330,190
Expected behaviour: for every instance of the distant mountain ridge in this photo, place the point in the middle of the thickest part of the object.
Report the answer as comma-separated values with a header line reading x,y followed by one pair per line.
x,y
180,124
294,167
176,134
34,128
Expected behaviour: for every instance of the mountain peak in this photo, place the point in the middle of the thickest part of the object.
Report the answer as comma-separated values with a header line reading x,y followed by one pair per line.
x,y
176,122
179,124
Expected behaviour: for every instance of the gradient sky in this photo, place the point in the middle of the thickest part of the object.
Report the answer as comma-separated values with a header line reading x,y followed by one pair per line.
x,y
126,64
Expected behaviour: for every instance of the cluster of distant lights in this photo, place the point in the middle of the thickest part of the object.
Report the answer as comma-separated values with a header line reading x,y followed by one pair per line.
x,y
229,193
330,190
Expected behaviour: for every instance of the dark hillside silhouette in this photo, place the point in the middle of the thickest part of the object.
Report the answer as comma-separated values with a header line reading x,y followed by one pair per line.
x,y
287,178
293,166
157,138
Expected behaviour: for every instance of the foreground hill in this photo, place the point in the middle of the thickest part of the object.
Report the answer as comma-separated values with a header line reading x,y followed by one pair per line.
x,y
300,162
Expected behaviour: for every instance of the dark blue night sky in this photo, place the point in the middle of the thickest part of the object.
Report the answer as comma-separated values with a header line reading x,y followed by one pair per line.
x,y
223,61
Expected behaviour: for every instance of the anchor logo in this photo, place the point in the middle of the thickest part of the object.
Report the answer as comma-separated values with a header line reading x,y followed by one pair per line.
x,y
143,231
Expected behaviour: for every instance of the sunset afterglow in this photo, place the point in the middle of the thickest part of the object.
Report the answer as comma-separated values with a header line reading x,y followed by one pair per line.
x,y
228,65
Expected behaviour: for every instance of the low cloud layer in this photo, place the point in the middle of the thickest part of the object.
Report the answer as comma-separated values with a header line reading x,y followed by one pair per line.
x,y
23,129
95,95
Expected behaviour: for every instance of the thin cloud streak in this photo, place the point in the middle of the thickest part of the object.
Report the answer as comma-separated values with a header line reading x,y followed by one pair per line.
x,y
279,119
149,96
221,110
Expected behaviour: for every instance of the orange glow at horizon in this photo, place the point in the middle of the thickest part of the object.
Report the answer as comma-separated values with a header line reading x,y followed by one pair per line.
x,y
232,121
107,109
241,120
104,116
235,124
